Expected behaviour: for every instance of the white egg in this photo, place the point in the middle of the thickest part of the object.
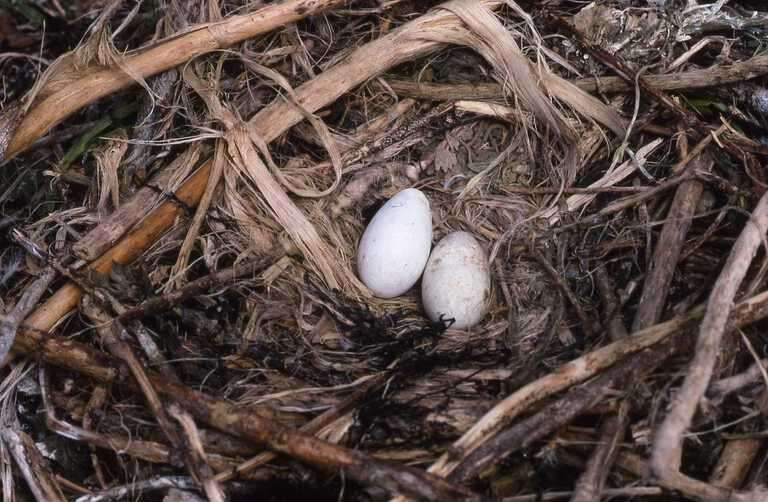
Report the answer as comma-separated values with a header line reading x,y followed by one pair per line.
x,y
395,247
457,281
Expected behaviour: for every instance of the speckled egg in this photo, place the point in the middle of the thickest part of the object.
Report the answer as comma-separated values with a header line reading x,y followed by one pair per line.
x,y
457,281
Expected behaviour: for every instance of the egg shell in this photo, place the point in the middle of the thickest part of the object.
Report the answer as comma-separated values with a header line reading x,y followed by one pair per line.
x,y
457,281
395,247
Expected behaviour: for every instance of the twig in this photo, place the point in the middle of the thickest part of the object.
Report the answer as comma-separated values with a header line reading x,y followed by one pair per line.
x,y
629,491
611,308
158,304
29,299
217,170
94,406
667,446
718,390
568,191
197,453
575,202
72,486
587,323
734,462
147,485
157,191
152,351
631,200
32,465
591,483
670,244
694,79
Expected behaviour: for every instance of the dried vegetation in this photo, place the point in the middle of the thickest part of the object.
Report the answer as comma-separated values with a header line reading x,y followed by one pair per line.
x,y
183,185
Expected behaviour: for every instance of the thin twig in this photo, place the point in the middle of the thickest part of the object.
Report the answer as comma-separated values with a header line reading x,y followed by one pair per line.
x,y
147,485
591,483
197,453
670,244
32,465
158,304
28,301
693,79
586,322
630,491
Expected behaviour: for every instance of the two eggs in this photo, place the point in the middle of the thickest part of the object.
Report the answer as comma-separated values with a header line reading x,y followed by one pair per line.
x,y
395,251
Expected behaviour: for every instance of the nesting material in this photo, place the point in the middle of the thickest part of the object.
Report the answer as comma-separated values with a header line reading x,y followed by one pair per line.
x,y
457,281
395,247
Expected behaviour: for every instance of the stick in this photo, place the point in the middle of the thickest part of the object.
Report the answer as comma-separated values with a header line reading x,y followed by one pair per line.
x,y
591,483
614,322
158,304
94,407
735,460
718,390
178,271
667,446
32,465
53,106
10,324
211,486
695,79
670,244
630,492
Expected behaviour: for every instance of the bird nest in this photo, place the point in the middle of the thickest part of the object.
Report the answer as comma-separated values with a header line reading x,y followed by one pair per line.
x,y
184,186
